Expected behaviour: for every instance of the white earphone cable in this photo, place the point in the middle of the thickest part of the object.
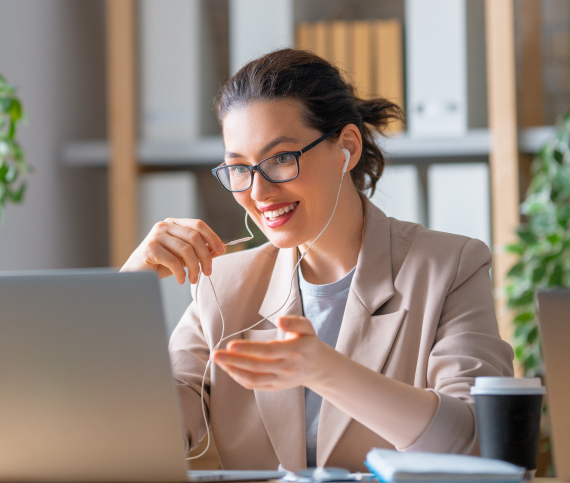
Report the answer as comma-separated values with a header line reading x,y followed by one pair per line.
x,y
222,338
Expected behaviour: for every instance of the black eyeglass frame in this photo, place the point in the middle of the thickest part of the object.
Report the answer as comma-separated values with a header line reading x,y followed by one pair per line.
x,y
295,154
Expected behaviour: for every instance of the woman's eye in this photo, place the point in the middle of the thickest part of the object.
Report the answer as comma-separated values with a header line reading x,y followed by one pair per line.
x,y
284,159
240,170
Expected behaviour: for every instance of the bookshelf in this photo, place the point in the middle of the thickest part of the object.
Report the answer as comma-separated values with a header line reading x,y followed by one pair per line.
x,y
137,145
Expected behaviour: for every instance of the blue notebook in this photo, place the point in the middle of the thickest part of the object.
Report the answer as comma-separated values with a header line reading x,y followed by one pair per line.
x,y
400,467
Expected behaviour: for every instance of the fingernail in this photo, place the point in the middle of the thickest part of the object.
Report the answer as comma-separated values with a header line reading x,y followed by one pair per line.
x,y
221,248
208,272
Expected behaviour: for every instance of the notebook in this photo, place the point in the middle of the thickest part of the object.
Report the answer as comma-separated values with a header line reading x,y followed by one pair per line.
x,y
394,466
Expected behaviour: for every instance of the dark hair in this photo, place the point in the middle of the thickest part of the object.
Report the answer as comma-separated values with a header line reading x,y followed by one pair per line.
x,y
329,103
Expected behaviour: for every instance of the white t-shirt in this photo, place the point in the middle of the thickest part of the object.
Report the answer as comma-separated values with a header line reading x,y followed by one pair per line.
x,y
324,306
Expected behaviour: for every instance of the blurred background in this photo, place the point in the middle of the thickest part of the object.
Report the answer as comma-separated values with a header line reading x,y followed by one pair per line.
x,y
132,83
119,129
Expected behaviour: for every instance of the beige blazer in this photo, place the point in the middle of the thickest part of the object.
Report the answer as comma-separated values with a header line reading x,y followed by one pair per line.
x,y
420,310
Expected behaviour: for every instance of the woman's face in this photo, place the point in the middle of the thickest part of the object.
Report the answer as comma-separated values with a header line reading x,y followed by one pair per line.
x,y
262,129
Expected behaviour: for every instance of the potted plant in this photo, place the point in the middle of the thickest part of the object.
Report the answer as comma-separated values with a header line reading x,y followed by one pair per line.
x,y
542,248
13,168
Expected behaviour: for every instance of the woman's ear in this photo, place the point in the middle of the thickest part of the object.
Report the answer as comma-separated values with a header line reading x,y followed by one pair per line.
x,y
350,140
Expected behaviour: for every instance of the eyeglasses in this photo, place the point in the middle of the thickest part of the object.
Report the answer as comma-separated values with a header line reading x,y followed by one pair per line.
x,y
278,168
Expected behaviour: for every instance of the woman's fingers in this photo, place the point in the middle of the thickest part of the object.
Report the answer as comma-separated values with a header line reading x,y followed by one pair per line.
x,y
196,244
207,234
190,245
247,362
297,324
201,242
161,256
185,252
174,244
275,349
248,379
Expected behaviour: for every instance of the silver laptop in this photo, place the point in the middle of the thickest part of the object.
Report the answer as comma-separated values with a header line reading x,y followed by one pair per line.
x,y
86,389
554,315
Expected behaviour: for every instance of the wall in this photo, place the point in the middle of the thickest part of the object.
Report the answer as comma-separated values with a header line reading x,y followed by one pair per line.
x,y
53,51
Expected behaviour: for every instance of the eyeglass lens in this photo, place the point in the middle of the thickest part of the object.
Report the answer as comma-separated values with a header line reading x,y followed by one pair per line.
x,y
278,168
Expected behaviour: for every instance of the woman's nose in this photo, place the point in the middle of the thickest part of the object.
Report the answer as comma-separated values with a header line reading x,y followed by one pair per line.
x,y
261,189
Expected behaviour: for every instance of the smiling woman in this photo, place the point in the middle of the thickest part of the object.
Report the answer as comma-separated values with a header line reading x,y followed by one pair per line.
x,y
372,338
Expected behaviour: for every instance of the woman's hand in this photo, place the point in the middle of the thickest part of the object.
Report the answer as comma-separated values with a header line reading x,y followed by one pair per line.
x,y
396,411
175,244
301,359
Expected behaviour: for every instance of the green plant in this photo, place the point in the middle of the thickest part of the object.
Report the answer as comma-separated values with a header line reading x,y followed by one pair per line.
x,y
13,168
543,246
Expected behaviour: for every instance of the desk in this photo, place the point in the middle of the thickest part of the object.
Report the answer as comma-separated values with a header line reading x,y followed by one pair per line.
x,y
536,480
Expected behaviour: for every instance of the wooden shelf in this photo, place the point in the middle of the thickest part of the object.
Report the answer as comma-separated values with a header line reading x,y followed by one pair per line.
x,y
475,143
531,140
209,151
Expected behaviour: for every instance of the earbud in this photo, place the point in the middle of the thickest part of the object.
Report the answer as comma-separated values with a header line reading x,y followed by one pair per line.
x,y
347,159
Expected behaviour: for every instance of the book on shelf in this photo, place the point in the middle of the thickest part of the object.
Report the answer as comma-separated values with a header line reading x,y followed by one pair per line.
x,y
341,43
362,58
322,40
389,64
303,37
314,37
369,55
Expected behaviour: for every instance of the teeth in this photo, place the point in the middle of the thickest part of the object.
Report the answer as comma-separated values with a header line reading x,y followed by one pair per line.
x,y
272,215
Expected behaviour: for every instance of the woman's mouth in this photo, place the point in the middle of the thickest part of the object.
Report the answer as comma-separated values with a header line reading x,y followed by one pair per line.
x,y
277,217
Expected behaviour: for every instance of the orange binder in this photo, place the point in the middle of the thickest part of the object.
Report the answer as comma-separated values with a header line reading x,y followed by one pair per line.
x,y
341,43
304,38
389,64
362,58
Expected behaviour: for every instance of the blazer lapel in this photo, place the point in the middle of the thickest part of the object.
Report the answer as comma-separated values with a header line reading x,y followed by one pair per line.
x,y
364,337
282,412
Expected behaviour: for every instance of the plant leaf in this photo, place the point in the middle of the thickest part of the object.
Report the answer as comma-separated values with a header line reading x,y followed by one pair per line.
x,y
516,270
555,279
525,299
532,335
527,236
5,103
524,317
11,174
3,170
515,248
15,110
538,273
18,195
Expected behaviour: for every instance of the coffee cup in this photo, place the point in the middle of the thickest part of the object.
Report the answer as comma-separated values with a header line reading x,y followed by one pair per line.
x,y
508,413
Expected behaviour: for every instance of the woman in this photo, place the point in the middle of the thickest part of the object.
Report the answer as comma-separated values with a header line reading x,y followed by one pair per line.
x,y
399,319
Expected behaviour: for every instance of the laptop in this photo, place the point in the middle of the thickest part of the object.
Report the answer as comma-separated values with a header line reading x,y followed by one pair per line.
x,y
554,316
86,387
